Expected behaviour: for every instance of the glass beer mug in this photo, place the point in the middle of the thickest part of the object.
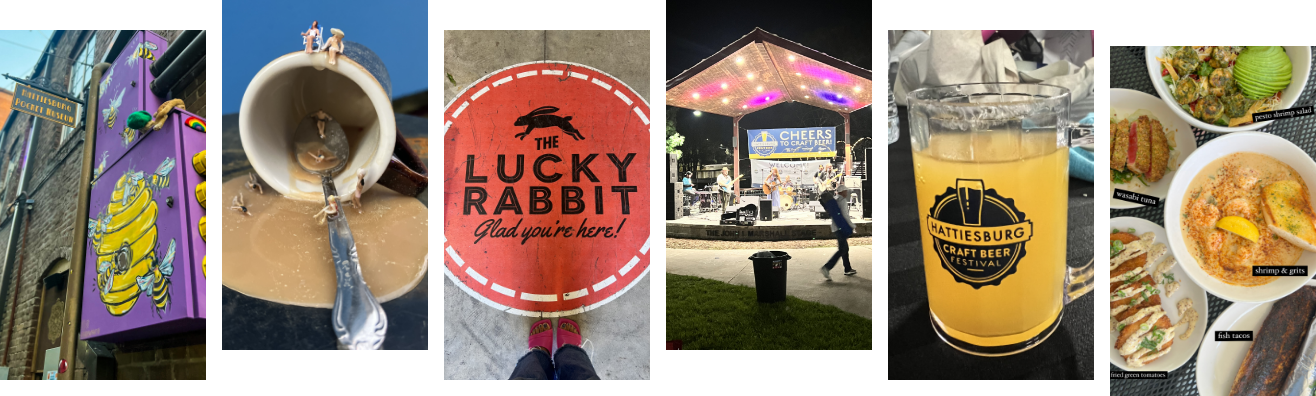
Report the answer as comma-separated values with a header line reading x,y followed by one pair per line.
x,y
991,166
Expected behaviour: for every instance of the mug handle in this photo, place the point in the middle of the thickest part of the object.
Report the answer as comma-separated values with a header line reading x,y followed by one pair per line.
x,y
1080,134
1078,281
405,173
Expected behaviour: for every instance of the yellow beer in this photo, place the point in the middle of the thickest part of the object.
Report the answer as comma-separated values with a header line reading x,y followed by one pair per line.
x,y
1030,170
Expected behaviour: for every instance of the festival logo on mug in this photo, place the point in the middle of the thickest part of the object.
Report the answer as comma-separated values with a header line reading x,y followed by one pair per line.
x,y
978,234
546,189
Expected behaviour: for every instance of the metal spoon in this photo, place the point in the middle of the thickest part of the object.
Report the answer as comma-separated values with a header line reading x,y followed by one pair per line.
x,y
358,319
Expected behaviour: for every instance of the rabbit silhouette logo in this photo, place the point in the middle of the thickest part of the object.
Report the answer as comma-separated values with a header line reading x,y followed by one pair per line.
x,y
543,118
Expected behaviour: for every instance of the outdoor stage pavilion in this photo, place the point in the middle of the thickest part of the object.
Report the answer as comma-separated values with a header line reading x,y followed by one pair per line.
x,y
756,72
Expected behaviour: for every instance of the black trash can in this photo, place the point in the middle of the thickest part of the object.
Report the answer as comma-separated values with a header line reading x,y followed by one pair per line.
x,y
770,275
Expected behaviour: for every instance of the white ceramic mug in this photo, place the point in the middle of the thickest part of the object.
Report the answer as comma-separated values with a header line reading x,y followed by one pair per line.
x,y
297,84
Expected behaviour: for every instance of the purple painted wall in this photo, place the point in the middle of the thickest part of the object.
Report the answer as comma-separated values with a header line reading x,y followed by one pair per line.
x,y
142,202
128,90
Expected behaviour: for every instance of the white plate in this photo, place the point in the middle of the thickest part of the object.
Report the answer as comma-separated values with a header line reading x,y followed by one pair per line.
x,y
1299,56
1218,361
1124,102
1182,350
1255,142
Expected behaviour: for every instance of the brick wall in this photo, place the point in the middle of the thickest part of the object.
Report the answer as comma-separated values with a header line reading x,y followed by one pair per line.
x,y
175,357
194,95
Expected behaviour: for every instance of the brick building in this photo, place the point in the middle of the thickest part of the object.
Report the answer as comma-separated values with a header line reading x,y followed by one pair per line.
x,y
40,172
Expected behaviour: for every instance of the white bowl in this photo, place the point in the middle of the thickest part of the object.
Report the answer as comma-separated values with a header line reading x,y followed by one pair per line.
x,y
1255,142
1300,56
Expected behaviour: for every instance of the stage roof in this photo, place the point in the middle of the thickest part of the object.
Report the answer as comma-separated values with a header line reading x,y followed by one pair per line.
x,y
761,70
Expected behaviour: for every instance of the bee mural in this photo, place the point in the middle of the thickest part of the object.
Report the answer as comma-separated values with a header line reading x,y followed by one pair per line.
x,y
124,239
113,110
143,51
99,168
128,135
105,84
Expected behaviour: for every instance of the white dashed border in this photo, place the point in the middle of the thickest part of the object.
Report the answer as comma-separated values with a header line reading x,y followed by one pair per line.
x,y
603,284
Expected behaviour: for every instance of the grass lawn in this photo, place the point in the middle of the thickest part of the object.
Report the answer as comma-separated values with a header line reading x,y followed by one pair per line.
x,y
708,314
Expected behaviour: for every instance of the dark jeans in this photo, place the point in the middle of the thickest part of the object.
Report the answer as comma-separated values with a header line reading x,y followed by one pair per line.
x,y
725,197
572,364
842,253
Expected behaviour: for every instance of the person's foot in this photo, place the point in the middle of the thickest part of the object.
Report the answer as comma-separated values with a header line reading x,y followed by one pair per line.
x,y
540,336
826,274
568,333
851,271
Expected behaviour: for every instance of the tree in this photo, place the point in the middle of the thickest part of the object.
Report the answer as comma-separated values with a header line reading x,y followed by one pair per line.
x,y
674,139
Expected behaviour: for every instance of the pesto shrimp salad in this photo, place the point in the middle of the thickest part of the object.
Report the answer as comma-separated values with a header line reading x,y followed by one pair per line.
x,y
1226,85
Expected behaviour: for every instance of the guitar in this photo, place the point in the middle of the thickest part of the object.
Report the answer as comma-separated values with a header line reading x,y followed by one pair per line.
x,y
829,185
769,187
727,187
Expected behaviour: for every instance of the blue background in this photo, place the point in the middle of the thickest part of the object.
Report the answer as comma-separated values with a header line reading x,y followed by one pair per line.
x,y
256,32
782,143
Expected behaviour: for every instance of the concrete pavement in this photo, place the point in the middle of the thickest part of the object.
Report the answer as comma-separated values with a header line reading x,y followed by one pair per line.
x,y
853,294
480,342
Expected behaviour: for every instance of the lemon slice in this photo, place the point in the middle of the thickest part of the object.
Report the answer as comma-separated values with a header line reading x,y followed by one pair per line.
x,y
1239,226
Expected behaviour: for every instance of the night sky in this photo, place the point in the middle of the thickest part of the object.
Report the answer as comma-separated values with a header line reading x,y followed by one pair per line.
x,y
697,30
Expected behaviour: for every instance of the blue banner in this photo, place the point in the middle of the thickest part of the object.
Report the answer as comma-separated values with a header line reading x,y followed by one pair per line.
x,y
792,143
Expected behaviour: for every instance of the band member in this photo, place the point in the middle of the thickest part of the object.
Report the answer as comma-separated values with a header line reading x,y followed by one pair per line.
x,y
842,243
688,188
724,188
775,194
819,176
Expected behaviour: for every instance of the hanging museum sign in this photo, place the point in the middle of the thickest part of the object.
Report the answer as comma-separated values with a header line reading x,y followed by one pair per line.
x,y
792,143
45,105
546,189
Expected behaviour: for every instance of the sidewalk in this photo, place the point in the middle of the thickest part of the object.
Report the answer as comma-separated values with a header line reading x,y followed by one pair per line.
x,y
480,342
853,294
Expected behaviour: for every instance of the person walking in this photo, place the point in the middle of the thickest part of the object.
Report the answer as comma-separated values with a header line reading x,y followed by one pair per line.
x,y
842,244
566,361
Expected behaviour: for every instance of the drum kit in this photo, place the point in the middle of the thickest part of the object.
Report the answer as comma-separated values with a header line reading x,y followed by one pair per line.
x,y
792,197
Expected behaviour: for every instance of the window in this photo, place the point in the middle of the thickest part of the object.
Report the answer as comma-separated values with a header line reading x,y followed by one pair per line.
x,y
13,164
79,77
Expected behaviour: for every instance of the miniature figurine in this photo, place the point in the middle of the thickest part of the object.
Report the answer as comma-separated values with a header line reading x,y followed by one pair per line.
x,y
162,114
329,210
253,184
360,185
318,156
334,45
240,205
320,118
311,36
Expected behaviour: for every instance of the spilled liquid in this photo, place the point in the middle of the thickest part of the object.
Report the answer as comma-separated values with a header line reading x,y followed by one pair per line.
x,y
281,253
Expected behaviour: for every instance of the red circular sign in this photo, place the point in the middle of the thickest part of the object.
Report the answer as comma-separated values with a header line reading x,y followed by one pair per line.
x,y
546,189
